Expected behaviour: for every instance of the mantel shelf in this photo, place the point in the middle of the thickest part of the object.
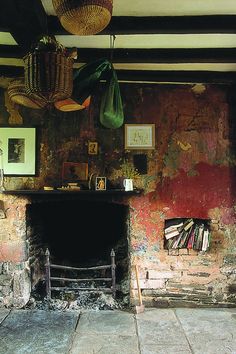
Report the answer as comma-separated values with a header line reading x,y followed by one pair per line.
x,y
108,192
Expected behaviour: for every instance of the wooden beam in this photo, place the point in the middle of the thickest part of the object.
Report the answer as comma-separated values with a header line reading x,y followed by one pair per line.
x,y
203,55
159,24
24,19
10,51
177,76
11,71
41,15
152,76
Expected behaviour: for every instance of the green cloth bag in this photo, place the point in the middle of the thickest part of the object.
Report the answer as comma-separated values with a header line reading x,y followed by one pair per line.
x,y
86,79
111,108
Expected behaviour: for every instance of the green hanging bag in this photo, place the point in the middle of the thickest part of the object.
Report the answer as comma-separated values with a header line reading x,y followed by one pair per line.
x,y
87,77
111,109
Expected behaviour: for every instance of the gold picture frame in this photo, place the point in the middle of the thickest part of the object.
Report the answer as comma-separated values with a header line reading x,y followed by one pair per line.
x,y
92,148
101,184
139,136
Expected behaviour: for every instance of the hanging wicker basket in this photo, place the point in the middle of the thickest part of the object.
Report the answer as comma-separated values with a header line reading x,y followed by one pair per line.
x,y
83,17
17,94
48,73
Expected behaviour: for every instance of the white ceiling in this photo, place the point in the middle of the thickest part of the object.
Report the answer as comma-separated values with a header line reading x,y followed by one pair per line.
x,y
165,7
152,41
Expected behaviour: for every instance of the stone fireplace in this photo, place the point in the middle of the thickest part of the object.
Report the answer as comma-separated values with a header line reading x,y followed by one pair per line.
x,y
77,231
81,230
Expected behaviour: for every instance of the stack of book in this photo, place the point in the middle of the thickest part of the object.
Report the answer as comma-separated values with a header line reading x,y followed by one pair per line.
x,y
188,233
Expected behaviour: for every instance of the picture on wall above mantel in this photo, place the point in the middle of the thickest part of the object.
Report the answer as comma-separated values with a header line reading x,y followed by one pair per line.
x,y
74,171
139,136
18,151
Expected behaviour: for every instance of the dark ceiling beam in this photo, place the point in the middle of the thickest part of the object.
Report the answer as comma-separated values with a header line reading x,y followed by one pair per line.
x,y
177,76
11,71
24,19
204,55
11,51
212,55
41,15
152,76
159,24
142,55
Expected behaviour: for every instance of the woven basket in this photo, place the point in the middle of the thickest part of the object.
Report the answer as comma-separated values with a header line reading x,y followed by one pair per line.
x,y
84,17
17,94
48,75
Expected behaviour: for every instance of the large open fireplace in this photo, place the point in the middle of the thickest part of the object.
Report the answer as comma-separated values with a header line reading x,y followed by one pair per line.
x,y
78,233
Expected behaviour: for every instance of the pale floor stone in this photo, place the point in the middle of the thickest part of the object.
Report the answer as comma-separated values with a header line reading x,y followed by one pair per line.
x,y
105,344
160,332
209,331
106,332
107,322
37,332
155,331
156,349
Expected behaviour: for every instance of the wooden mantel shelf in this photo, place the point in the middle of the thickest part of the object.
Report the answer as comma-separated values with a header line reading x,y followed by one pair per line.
x,y
108,192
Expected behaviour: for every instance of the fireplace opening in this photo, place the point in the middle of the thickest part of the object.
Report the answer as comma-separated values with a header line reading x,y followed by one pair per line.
x,y
78,234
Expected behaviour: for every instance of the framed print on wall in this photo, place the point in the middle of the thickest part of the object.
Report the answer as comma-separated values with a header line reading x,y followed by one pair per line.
x,y
101,184
92,148
18,146
74,171
139,136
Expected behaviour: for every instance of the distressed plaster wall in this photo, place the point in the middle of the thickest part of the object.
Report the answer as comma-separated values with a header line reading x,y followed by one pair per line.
x,y
195,169
191,173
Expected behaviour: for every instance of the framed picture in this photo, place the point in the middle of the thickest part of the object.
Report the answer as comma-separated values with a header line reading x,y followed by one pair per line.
x,y
74,171
139,136
18,150
92,148
101,183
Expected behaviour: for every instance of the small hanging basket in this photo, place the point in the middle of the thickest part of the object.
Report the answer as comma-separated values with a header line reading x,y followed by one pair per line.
x,y
48,73
84,17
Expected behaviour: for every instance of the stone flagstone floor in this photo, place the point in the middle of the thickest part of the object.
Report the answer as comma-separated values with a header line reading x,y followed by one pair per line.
x,y
155,331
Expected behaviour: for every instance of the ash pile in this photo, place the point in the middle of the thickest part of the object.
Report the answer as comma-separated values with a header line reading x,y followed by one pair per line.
x,y
79,300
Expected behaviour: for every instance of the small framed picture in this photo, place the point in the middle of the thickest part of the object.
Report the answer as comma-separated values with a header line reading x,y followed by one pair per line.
x,y
139,136
92,148
74,171
101,183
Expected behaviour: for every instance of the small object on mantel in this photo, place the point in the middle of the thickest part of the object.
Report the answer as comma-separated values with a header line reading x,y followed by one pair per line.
x,y
70,187
46,188
72,184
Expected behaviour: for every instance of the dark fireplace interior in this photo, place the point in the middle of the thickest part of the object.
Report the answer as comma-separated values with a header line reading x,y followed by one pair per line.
x,y
77,233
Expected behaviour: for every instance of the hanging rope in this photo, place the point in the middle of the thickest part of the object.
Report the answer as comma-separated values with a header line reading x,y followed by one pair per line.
x,y
112,46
